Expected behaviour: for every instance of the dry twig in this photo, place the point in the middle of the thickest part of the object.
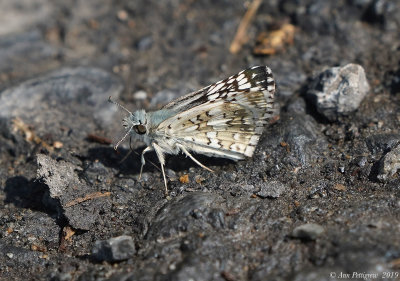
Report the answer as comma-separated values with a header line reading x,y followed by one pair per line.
x,y
87,197
241,37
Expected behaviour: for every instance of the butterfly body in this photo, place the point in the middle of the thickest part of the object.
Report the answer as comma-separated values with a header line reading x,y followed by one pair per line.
x,y
225,119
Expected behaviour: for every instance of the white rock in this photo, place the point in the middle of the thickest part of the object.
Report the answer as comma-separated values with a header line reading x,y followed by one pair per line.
x,y
339,90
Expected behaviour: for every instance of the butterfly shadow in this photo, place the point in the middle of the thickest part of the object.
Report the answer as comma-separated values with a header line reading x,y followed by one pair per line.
x,y
128,162
181,162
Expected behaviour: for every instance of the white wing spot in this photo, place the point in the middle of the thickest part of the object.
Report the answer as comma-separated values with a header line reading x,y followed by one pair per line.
x,y
212,135
240,77
214,143
214,111
244,86
254,140
243,81
217,122
213,96
232,94
216,88
191,129
249,151
188,139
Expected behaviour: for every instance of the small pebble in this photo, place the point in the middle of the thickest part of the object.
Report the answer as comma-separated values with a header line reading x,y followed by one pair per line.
x,y
58,144
309,231
339,187
140,95
389,164
114,249
122,15
272,189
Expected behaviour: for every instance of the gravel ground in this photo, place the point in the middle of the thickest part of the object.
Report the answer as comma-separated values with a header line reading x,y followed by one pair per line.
x,y
319,200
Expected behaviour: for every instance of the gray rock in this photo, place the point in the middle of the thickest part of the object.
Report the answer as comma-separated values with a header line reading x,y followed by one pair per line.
x,y
339,91
66,187
197,268
301,133
382,142
361,161
114,249
296,105
180,215
70,100
272,189
59,176
18,255
309,231
389,164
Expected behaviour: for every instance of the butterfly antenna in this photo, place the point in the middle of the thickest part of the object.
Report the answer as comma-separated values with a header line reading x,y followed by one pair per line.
x,y
121,140
119,105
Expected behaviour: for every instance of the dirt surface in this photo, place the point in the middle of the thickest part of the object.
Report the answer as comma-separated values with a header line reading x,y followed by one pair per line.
x,y
319,200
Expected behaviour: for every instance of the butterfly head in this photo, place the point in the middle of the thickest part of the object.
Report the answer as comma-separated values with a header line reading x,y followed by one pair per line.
x,y
135,124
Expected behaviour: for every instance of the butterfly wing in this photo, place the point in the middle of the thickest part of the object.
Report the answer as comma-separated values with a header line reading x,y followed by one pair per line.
x,y
225,119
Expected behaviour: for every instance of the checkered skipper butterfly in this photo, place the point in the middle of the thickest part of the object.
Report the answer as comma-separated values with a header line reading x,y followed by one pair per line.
x,y
225,119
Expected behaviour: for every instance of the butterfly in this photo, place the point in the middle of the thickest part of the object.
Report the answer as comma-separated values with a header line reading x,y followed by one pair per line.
x,y
225,119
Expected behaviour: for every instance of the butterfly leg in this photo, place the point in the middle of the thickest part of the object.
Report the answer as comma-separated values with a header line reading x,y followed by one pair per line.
x,y
160,155
147,149
184,150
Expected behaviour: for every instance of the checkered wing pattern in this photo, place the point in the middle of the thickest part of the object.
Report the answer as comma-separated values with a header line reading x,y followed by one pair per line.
x,y
225,119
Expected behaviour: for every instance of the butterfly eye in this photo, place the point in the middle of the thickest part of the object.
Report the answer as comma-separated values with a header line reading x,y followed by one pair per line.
x,y
140,129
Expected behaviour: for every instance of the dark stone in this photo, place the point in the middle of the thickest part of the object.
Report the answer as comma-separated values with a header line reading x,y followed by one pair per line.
x,y
382,142
304,140
184,215
114,249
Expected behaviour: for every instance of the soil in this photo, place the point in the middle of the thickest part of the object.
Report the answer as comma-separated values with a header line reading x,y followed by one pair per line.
x,y
319,199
